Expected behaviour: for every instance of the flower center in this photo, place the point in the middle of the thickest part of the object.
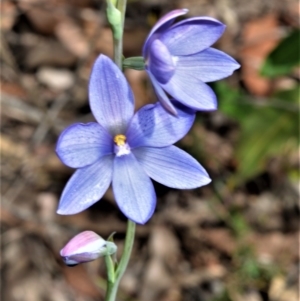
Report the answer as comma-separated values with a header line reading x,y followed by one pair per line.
x,y
120,140
121,146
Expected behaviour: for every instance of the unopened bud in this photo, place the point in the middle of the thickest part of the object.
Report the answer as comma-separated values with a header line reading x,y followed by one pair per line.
x,y
86,246
114,18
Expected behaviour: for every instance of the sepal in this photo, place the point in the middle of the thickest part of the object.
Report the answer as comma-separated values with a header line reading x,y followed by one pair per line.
x,y
135,62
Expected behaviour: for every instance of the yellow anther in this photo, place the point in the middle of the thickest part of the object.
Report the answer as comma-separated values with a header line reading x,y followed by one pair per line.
x,y
120,140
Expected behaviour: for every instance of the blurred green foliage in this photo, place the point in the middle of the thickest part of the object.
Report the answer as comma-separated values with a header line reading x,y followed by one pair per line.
x,y
284,57
249,272
269,127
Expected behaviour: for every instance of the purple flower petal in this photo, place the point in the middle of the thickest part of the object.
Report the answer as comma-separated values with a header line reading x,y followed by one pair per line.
x,y
191,92
160,62
172,167
162,96
80,144
208,65
133,189
151,126
192,35
86,186
162,24
111,98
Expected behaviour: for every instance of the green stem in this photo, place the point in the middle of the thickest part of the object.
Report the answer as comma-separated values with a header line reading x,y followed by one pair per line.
x,y
112,287
110,269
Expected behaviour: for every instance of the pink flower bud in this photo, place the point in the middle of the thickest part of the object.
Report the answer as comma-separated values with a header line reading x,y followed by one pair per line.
x,y
84,247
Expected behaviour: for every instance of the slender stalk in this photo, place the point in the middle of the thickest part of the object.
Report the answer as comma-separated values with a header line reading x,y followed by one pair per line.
x,y
114,277
117,54
110,269
112,288
129,240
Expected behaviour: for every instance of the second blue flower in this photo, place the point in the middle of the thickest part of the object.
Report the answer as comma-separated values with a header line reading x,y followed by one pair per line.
x,y
179,60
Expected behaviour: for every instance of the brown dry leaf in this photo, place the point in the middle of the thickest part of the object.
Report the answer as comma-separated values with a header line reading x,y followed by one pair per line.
x,y
164,252
164,245
276,246
8,13
43,20
260,210
7,218
41,52
56,79
80,281
194,277
12,148
104,225
13,89
72,37
218,150
156,280
23,289
279,290
130,280
292,13
35,165
260,37
104,43
47,203
134,40
251,295
17,109
92,21
221,239
197,211
174,294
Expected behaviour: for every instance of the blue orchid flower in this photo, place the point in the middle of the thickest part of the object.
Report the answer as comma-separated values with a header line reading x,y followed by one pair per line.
x,y
179,60
125,149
